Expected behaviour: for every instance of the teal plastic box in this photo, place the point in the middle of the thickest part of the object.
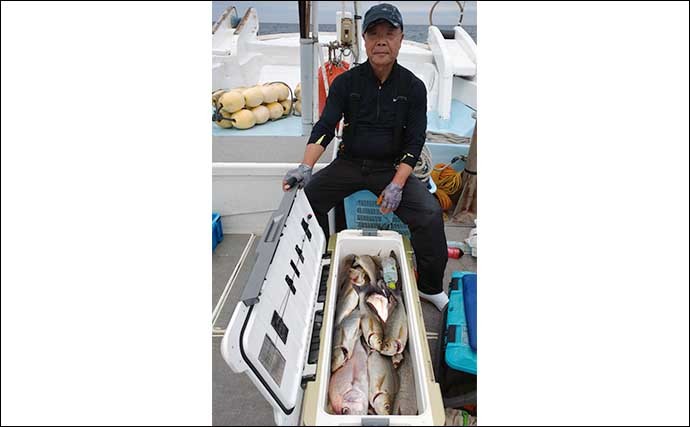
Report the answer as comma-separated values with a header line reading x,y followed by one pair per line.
x,y
458,353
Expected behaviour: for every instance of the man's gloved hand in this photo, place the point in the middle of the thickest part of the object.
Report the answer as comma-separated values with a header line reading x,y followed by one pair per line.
x,y
391,197
300,175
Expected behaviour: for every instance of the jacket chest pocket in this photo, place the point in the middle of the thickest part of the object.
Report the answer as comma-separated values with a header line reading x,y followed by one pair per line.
x,y
374,109
387,117
382,110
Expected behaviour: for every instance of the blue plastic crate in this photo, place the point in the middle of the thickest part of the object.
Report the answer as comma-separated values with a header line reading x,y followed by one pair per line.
x,y
362,212
216,229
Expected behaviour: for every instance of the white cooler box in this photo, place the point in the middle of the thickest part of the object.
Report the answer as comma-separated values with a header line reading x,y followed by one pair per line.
x,y
281,330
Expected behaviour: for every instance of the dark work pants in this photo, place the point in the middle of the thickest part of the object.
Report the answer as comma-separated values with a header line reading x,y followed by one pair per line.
x,y
418,208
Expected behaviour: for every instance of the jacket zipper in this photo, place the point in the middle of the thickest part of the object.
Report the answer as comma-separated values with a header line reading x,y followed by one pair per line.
x,y
378,97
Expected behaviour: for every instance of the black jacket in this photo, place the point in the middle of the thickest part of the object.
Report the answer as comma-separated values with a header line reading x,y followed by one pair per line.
x,y
376,119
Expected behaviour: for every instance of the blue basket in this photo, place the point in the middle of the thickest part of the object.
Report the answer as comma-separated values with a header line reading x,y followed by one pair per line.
x,y
362,212
217,230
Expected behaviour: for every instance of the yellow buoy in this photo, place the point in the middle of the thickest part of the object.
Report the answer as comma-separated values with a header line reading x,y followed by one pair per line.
x,y
231,101
261,114
239,90
269,93
286,106
253,97
298,91
275,109
298,106
283,91
215,95
226,120
243,119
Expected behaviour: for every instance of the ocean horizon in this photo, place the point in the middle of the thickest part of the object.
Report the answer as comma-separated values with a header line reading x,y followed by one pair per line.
x,y
412,32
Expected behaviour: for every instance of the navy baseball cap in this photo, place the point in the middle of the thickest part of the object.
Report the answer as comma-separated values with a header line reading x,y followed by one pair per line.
x,y
383,11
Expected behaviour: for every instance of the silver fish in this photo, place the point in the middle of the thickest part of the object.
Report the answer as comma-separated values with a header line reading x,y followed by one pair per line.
x,y
347,301
348,389
395,332
382,288
406,398
382,383
397,360
344,339
372,330
377,260
344,270
357,276
369,267
380,304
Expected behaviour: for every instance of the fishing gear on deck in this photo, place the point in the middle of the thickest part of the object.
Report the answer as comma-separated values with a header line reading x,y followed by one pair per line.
x,y
245,107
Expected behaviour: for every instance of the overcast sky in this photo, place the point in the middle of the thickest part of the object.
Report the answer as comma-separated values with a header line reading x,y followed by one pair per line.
x,y
414,12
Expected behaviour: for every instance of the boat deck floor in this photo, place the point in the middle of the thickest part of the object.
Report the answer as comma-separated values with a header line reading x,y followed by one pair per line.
x,y
236,401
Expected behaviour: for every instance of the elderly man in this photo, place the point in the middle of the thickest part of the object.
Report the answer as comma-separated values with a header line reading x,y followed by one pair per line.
x,y
384,106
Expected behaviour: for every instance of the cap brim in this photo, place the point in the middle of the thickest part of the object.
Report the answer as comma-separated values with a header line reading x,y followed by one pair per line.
x,y
380,19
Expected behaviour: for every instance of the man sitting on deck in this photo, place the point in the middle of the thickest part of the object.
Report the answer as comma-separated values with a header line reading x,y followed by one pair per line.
x,y
384,105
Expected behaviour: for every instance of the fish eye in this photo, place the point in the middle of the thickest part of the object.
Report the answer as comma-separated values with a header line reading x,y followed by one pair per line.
x,y
346,411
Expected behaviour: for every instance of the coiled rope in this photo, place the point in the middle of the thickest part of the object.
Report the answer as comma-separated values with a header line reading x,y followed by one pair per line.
x,y
448,183
447,137
422,169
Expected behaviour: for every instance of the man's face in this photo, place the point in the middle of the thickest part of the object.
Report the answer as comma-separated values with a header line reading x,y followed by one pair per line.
x,y
382,42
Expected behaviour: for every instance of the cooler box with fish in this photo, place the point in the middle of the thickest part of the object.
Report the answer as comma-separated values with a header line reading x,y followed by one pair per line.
x,y
281,333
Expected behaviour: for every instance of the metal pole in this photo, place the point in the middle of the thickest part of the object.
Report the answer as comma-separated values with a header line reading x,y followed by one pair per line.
x,y
315,62
306,68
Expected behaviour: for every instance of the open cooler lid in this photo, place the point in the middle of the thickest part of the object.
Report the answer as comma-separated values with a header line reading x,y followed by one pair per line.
x,y
273,322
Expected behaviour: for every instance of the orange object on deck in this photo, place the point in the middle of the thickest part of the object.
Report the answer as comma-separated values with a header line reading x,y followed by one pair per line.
x,y
332,71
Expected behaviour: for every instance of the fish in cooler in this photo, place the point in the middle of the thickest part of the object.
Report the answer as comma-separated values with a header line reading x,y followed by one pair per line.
x,y
348,299
346,335
379,304
382,383
357,276
395,332
348,390
397,360
369,266
372,329
406,398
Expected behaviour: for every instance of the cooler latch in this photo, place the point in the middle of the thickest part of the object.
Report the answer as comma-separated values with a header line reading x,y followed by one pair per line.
x,y
375,422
